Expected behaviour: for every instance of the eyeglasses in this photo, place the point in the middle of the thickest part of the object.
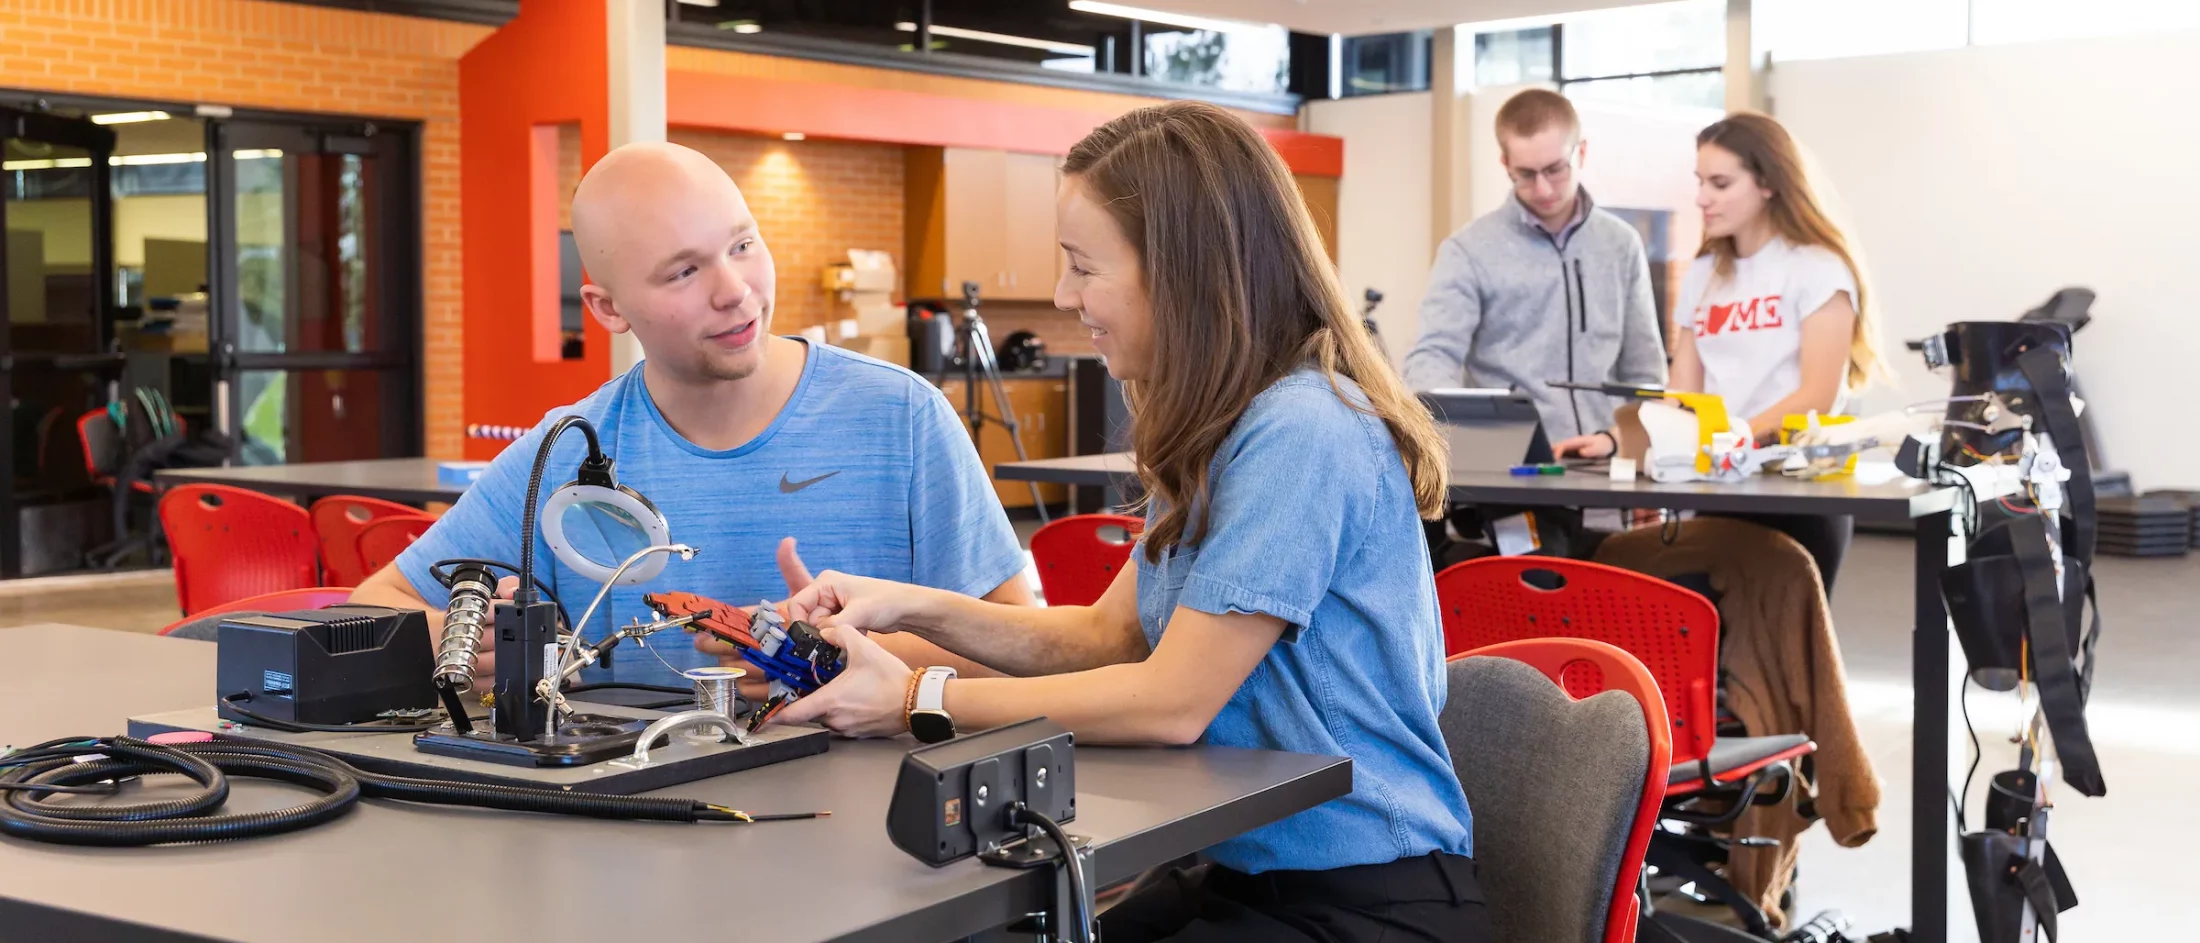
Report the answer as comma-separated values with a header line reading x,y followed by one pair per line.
x,y
1554,174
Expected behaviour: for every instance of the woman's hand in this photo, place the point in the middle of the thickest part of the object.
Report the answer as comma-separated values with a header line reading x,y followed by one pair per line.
x,y
1593,445
867,699
857,602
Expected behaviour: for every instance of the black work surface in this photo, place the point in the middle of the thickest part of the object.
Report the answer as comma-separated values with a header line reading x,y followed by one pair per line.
x,y
391,479
386,872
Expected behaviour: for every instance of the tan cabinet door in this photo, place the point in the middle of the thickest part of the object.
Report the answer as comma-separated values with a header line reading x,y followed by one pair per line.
x,y
1042,411
1032,245
977,207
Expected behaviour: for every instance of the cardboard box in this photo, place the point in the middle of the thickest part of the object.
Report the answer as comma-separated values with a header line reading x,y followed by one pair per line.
x,y
892,348
863,291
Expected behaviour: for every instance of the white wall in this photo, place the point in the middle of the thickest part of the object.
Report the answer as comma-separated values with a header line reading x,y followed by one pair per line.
x,y
1978,181
1382,204
1639,158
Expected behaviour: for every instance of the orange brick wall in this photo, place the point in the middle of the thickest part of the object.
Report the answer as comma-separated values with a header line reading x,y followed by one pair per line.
x,y
284,56
814,200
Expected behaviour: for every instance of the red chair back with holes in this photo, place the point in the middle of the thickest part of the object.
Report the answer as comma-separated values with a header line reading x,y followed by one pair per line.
x,y
380,542
337,520
1672,631
288,600
1079,556
1586,668
102,445
230,544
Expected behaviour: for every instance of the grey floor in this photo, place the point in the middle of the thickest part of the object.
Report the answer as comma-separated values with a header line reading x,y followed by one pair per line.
x,y
2130,853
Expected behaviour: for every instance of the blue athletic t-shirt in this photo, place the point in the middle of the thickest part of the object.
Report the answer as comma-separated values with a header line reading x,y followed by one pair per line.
x,y
867,467
1312,520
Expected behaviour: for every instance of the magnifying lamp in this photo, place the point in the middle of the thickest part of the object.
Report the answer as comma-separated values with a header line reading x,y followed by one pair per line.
x,y
592,529
592,524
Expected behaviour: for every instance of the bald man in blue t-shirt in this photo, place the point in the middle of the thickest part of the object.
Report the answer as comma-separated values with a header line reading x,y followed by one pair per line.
x,y
749,443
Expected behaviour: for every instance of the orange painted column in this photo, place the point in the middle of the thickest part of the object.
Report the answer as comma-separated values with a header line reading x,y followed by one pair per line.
x,y
545,68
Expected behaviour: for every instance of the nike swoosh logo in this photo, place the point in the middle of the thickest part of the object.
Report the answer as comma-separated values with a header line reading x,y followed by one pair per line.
x,y
790,487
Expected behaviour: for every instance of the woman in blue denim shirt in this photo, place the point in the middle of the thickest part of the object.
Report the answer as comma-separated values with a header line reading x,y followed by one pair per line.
x,y
1281,597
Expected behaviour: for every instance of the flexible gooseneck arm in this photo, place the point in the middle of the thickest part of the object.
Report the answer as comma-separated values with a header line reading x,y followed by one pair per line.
x,y
595,469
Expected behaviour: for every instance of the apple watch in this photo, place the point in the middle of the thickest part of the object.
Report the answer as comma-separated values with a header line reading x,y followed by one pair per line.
x,y
928,718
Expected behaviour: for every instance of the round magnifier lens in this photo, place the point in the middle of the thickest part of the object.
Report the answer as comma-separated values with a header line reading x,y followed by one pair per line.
x,y
592,529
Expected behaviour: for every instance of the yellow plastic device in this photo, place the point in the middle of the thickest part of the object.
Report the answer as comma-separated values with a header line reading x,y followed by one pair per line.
x,y
1792,425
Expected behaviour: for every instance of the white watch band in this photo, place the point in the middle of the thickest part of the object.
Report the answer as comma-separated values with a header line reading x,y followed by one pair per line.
x,y
932,688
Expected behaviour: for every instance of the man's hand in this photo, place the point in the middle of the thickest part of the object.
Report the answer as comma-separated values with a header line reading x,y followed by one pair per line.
x,y
792,570
1593,445
868,697
755,687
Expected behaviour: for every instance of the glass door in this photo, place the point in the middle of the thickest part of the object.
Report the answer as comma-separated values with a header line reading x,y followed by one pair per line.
x,y
315,290
56,209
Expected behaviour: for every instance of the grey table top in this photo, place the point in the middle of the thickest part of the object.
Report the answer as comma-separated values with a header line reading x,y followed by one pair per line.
x,y
392,479
389,873
1898,499
1096,470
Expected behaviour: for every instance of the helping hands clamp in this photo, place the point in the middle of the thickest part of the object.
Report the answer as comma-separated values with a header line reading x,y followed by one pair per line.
x,y
793,656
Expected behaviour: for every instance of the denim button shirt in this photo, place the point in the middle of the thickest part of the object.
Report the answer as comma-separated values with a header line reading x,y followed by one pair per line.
x,y
1313,521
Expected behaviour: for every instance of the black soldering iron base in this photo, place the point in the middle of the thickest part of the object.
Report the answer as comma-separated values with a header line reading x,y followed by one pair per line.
x,y
523,632
581,740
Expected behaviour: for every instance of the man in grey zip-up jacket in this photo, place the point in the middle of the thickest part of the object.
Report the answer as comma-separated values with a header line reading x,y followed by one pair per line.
x,y
1546,287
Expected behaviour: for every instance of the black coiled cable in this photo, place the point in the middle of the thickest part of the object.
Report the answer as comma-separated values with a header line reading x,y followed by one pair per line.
x,y
195,818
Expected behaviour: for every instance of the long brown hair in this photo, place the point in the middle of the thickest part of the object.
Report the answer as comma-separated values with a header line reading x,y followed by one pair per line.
x,y
1242,295
1769,153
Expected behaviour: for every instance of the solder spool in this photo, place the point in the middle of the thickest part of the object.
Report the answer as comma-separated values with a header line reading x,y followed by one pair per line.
x,y
715,690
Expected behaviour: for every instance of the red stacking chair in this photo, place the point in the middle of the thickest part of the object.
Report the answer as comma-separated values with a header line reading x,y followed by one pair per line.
x,y
1558,730
287,600
381,541
1079,556
337,520
231,543
1675,633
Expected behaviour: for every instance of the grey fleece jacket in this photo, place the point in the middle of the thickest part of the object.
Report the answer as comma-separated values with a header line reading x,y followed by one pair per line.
x,y
1507,308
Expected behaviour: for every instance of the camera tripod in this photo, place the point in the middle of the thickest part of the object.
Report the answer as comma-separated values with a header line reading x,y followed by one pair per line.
x,y
975,351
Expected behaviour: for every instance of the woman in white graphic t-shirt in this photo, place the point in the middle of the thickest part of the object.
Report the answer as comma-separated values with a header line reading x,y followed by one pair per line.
x,y
1772,315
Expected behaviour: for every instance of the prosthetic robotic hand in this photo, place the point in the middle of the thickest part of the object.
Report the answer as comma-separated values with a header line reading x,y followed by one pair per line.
x,y
792,656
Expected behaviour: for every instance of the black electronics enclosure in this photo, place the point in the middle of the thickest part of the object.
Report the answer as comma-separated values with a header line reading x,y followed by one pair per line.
x,y
339,665
951,799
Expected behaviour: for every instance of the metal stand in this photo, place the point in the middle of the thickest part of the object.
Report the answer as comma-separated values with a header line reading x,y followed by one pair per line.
x,y
1367,318
979,363
1057,924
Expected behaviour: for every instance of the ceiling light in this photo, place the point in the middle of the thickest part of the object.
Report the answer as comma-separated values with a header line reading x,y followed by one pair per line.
x,y
127,160
130,117
1510,24
1003,39
700,3
1160,16
793,136
47,164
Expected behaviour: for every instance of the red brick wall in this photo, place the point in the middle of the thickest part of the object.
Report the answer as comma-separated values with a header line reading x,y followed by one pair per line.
x,y
814,200
1057,328
282,56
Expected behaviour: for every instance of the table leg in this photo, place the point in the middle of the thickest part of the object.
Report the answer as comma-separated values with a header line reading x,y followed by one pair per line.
x,y
1930,838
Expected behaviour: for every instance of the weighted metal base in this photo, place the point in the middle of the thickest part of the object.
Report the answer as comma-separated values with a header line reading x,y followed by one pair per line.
x,y
680,761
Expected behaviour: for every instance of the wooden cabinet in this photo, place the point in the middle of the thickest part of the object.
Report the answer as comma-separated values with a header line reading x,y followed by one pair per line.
x,y
1042,407
980,216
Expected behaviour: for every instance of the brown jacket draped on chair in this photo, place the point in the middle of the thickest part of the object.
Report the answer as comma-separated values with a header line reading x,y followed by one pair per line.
x,y
1781,670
